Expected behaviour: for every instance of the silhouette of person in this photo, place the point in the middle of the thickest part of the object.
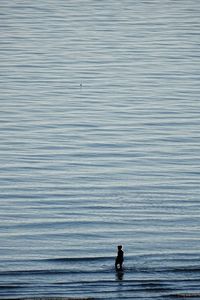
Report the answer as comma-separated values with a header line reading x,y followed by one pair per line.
x,y
119,259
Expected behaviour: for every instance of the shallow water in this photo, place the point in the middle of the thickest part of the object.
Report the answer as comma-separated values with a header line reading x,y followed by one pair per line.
x,y
100,138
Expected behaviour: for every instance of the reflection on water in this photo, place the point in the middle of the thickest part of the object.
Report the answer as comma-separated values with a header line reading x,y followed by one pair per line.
x,y
119,275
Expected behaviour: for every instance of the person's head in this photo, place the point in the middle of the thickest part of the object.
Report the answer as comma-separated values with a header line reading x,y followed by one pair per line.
x,y
119,247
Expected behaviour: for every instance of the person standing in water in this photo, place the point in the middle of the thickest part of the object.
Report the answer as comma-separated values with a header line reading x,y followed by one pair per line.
x,y
119,259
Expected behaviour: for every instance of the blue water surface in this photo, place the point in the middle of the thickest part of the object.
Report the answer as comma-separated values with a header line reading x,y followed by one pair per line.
x,y
100,139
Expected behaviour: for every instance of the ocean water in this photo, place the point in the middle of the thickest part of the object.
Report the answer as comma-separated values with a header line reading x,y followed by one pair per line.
x,y
100,146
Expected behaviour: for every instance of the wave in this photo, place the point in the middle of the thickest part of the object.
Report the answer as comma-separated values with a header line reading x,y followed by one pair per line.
x,y
100,270
30,272
132,289
79,259
54,272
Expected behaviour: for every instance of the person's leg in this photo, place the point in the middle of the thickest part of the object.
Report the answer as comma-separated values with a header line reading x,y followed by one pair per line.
x,y
116,264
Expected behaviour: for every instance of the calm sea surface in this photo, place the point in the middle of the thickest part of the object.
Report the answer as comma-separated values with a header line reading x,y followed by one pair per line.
x,y
100,146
